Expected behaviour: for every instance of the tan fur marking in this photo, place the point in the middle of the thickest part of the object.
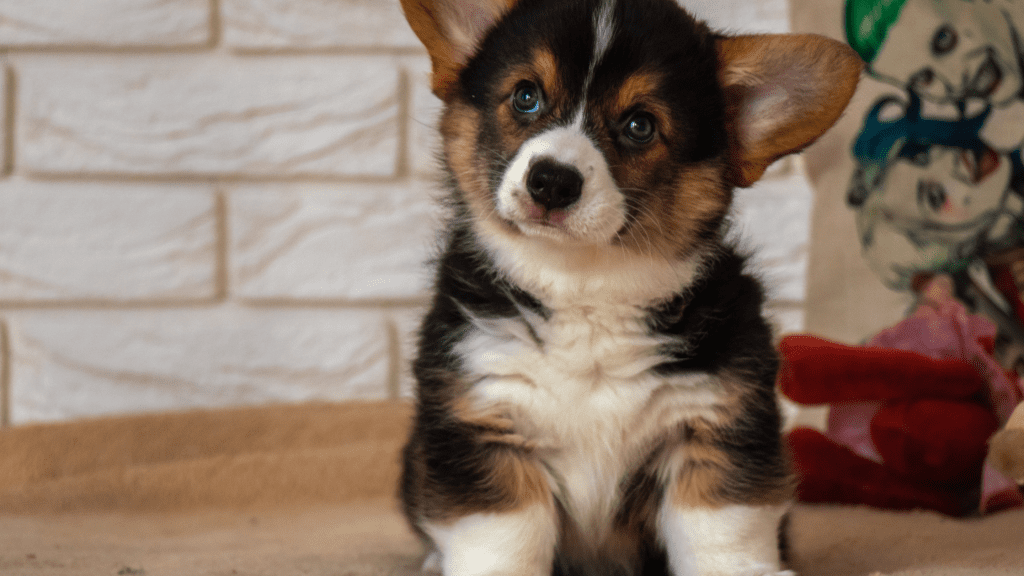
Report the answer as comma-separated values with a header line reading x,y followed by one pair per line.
x,y
511,478
704,470
542,69
736,387
520,479
641,89
511,474
492,421
460,126
512,482
696,485
495,426
511,129
547,70
637,88
667,223
515,75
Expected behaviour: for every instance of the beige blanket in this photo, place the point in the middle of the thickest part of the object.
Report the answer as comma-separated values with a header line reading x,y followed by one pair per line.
x,y
308,490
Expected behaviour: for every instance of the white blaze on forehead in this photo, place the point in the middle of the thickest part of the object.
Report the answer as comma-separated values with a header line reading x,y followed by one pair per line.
x,y
604,31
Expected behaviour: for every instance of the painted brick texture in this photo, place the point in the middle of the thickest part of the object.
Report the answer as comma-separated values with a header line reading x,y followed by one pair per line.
x,y
348,243
224,202
312,24
86,241
105,23
209,116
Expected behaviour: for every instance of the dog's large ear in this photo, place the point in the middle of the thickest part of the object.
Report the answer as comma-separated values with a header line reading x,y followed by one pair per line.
x,y
782,92
452,30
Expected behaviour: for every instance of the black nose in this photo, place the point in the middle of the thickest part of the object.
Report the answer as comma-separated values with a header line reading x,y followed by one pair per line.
x,y
554,185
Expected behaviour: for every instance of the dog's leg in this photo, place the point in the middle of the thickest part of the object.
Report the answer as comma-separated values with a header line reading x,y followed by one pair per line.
x,y
735,540
518,543
720,514
481,498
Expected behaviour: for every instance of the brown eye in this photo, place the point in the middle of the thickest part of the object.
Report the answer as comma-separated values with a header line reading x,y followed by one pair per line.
x,y
640,128
944,40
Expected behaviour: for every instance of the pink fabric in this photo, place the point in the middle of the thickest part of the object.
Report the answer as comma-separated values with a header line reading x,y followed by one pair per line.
x,y
849,425
940,327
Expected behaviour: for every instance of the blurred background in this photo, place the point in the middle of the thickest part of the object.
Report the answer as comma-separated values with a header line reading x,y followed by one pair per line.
x,y
209,203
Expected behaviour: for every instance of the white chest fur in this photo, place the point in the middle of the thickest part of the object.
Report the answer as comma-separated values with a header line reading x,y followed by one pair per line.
x,y
578,386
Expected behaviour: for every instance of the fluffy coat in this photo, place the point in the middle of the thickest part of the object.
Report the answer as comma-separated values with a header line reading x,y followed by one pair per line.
x,y
595,376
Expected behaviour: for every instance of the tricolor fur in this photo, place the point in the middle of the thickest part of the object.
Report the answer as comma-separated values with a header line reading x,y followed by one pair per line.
x,y
595,377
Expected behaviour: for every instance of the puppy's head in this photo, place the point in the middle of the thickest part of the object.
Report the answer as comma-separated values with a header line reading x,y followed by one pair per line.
x,y
622,123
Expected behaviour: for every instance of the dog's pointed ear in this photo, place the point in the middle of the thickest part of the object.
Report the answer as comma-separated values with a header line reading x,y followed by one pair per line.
x,y
452,30
782,92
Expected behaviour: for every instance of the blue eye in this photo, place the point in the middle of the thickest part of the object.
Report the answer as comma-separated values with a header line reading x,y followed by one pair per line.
x,y
527,98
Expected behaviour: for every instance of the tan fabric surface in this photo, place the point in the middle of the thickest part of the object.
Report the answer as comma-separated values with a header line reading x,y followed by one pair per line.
x,y
357,539
307,490
243,457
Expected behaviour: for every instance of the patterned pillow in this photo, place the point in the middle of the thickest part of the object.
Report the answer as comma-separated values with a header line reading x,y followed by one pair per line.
x,y
923,174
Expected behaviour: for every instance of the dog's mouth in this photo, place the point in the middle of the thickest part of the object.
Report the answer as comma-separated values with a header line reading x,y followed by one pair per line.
x,y
579,223
534,220
550,217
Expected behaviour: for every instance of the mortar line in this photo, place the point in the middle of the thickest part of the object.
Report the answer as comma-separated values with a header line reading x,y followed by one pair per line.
x,y
5,376
194,178
222,274
281,303
216,25
215,45
10,110
394,360
404,160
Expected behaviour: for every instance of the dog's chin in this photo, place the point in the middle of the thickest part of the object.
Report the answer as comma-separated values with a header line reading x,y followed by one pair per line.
x,y
548,230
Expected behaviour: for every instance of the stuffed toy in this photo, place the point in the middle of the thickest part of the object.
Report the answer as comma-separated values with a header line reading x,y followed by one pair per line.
x,y
911,413
1006,450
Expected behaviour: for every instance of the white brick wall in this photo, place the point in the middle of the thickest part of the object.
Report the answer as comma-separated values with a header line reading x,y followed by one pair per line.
x,y
113,242
222,202
104,23
208,115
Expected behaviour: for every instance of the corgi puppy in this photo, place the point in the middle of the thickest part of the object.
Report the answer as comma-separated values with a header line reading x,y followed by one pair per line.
x,y
595,376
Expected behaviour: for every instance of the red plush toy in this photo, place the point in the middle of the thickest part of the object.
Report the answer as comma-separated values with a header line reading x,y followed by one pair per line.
x,y
911,413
